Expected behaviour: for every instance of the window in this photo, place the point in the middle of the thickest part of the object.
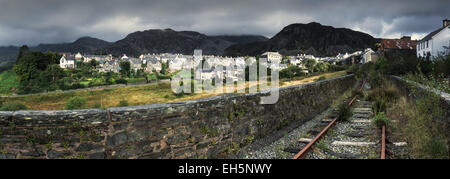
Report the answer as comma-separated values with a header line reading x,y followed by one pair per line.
x,y
427,43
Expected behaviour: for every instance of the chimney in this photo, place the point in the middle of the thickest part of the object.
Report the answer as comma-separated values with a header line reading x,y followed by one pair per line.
x,y
406,38
445,22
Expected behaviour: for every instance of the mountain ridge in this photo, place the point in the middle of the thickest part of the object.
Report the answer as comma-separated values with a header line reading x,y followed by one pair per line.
x,y
171,41
312,38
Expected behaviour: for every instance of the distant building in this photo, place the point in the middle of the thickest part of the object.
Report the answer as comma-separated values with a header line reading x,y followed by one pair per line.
x,y
135,64
272,56
98,58
436,43
368,56
152,64
124,57
110,66
79,57
67,61
403,46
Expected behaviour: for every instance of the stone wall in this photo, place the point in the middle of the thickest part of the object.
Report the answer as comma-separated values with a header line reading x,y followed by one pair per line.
x,y
212,127
415,90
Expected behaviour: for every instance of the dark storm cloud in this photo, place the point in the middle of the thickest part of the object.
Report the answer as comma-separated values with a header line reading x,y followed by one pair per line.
x,y
49,21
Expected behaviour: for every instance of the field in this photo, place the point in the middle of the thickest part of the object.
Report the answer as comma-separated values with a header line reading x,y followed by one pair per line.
x,y
7,82
139,95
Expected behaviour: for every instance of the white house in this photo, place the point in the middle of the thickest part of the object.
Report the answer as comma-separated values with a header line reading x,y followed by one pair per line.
x,y
67,61
124,57
135,64
434,43
110,66
78,57
176,64
98,58
366,56
272,56
152,63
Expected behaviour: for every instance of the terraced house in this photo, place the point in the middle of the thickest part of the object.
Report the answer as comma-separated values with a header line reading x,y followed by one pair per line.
x,y
435,43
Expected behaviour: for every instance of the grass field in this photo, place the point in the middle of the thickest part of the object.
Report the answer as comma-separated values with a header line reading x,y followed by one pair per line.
x,y
7,82
139,95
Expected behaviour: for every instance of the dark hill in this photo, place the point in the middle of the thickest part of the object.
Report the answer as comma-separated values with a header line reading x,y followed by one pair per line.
x,y
85,45
240,39
312,38
171,41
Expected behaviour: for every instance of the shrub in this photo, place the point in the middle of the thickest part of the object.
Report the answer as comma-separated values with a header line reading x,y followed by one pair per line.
x,y
291,72
353,69
123,103
356,92
379,105
321,78
344,112
121,81
77,86
380,119
75,103
15,106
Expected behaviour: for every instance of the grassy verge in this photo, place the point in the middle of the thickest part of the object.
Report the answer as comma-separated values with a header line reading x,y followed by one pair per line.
x,y
412,120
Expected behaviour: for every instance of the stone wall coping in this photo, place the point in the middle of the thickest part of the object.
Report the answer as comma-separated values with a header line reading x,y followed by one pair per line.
x,y
58,112
445,96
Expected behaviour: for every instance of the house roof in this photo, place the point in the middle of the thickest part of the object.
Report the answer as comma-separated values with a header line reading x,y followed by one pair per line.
x,y
399,44
208,70
134,60
69,57
152,60
430,35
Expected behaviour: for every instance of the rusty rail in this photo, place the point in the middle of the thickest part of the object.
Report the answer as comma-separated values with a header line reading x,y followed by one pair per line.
x,y
309,145
383,142
305,149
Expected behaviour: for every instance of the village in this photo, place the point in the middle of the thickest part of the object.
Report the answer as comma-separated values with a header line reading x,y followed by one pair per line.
x,y
150,63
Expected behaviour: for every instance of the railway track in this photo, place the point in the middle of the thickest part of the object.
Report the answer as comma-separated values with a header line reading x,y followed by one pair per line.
x,y
360,120
327,137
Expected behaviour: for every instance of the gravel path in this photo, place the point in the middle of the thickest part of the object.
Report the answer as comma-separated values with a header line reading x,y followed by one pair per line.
x,y
284,147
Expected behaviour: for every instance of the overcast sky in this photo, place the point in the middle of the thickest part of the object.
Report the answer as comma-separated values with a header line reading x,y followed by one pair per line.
x,y
52,21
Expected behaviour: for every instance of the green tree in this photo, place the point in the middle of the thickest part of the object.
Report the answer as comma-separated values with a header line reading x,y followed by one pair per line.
x,y
291,72
125,68
164,66
321,67
310,63
29,68
93,63
22,51
49,77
